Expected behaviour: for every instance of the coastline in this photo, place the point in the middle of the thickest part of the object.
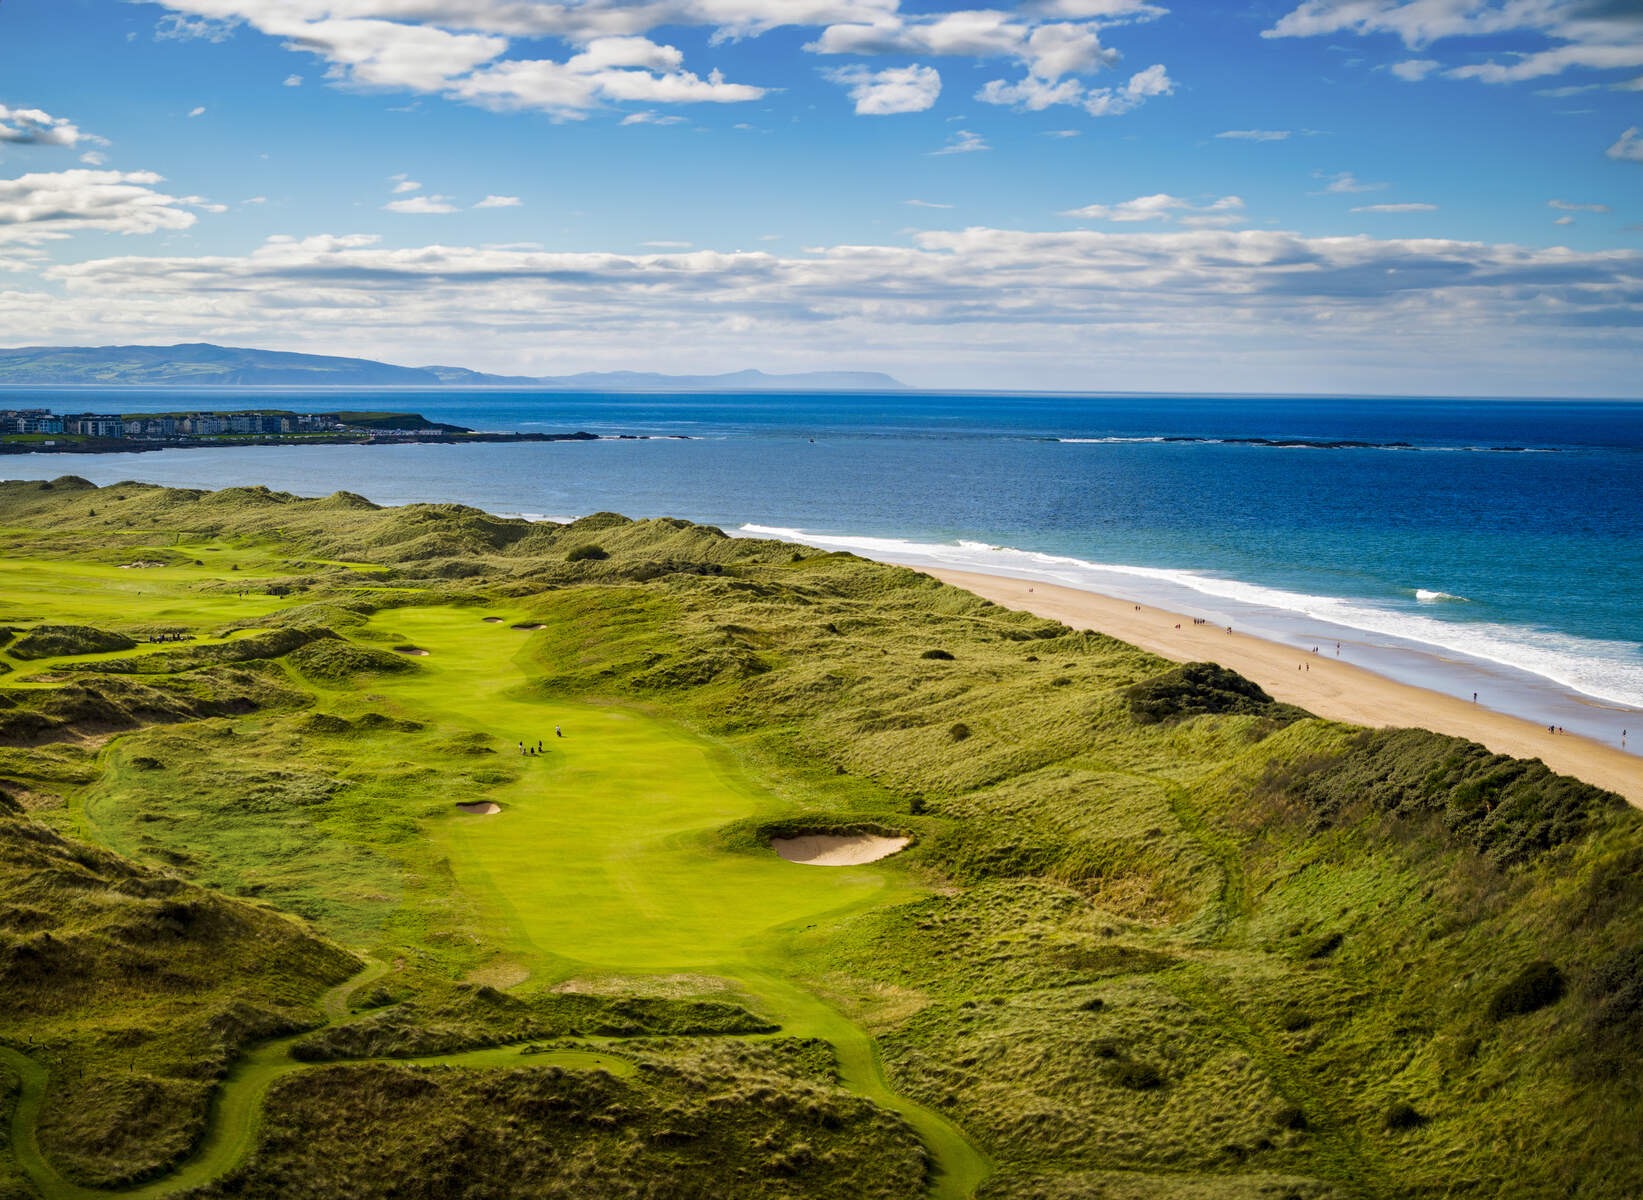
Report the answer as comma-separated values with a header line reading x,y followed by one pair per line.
x,y
1324,685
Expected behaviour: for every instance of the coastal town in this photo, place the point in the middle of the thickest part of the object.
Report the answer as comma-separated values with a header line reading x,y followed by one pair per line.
x,y
39,430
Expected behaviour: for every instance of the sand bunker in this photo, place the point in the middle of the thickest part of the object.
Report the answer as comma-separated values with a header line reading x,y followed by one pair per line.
x,y
529,627
480,808
834,850
417,651
493,620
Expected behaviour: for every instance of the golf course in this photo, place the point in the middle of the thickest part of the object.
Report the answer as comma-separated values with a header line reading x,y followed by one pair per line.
x,y
419,852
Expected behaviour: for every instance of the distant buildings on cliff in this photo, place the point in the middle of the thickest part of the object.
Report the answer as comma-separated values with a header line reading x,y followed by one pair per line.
x,y
168,426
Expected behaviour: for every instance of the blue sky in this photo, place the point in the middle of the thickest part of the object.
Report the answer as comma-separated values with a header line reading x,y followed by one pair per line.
x,y
1384,196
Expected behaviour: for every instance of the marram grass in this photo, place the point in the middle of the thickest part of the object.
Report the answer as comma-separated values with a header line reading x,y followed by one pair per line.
x,y
1155,935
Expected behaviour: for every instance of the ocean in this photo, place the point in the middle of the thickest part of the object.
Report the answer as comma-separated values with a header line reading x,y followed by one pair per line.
x,y
1488,546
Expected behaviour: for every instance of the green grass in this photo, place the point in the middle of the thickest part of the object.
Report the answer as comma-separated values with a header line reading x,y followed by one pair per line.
x,y
1155,936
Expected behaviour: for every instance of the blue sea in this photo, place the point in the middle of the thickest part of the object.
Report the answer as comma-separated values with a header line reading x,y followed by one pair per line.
x,y
1489,546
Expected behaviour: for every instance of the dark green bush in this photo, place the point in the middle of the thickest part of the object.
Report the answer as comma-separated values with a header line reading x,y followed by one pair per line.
x,y
587,552
1534,987
1136,1075
1195,688
49,641
942,655
1403,1115
959,731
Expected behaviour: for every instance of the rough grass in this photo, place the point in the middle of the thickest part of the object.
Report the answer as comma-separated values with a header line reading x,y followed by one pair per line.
x,y
1156,936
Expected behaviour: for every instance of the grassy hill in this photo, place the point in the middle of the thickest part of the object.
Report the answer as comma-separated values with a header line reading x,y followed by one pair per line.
x,y
1156,935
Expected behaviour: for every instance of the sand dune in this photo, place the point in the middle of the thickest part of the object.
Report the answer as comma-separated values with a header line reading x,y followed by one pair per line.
x,y
1330,688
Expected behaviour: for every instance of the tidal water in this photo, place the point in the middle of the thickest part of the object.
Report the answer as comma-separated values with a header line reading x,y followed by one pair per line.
x,y
1489,546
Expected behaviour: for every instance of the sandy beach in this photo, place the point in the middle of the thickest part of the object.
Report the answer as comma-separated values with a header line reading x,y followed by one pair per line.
x,y
1320,683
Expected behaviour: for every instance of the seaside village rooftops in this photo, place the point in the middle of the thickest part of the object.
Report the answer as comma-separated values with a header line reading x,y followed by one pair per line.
x,y
166,426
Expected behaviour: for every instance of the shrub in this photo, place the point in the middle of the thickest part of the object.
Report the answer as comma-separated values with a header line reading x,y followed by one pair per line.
x,y
1195,688
49,641
1136,1075
1403,1115
1534,987
942,655
587,552
959,731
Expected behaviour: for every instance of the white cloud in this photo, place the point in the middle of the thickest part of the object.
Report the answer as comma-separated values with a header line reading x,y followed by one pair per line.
x,y
94,158
1564,221
47,207
1413,70
982,303
1034,94
1396,208
1109,102
421,205
1061,133
404,184
1161,206
1346,181
665,245
925,204
651,117
963,142
197,111
293,81
1255,135
1049,51
499,202
1629,147
609,70
894,90
183,29
1566,206
36,127
1577,34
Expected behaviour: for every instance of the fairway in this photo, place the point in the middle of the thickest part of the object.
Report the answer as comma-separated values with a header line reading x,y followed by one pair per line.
x,y
604,854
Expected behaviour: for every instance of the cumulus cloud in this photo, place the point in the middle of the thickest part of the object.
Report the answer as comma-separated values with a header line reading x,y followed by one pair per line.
x,y
1396,208
1255,135
421,205
1346,181
1574,34
894,90
963,142
609,70
1049,50
173,27
44,207
197,111
1629,146
1161,206
36,127
293,81
1020,299
1034,94
651,117
1413,70
1566,206
459,48
499,202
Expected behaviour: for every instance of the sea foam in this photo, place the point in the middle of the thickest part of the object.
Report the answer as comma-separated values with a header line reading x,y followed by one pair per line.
x,y
1609,671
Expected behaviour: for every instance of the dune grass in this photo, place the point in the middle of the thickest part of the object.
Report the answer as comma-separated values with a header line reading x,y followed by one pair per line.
x,y
1154,936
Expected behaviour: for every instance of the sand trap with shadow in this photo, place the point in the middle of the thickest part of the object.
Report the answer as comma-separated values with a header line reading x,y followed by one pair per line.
x,y
835,850
480,808
413,651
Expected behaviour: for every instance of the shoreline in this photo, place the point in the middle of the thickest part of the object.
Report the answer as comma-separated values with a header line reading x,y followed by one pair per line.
x,y
1320,683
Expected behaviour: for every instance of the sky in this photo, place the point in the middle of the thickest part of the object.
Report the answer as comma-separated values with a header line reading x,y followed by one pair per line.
x,y
1407,197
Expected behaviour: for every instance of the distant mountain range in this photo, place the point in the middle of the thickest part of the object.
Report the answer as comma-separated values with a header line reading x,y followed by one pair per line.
x,y
199,364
